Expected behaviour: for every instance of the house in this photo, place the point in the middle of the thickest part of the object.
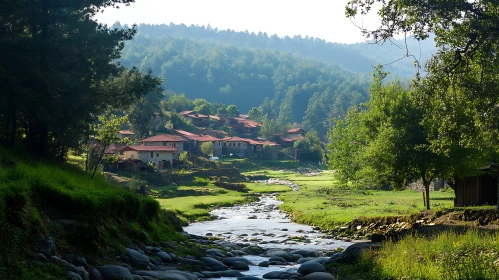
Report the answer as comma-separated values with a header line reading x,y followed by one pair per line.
x,y
160,156
285,142
257,149
236,145
243,126
122,134
217,144
195,118
216,121
296,133
113,149
167,140
476,190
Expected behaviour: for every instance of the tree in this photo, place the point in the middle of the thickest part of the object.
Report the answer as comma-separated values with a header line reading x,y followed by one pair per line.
x,y
254,114
462,75
232,111
207,148
58,71
143,112
106,133
222,112
393,139
202,106
269,128
309,147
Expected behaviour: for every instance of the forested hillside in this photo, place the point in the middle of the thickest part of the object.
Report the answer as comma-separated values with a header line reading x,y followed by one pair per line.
x,y
285,86
360,57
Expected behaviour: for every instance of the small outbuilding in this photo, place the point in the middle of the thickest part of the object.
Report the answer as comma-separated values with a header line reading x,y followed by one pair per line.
x,y
476,190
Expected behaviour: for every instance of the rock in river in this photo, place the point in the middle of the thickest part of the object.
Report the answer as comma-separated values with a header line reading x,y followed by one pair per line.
x,y
213,264
114,272
167,275
311,267
319,276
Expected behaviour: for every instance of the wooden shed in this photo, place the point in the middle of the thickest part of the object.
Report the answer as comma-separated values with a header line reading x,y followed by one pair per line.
x,y
476,190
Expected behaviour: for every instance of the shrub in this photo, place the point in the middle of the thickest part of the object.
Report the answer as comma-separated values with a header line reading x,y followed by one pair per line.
x,y
199,181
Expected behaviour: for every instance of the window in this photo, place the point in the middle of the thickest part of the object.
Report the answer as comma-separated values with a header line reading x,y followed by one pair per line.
x,y
174,145
164,144
152,154
157,154
239,144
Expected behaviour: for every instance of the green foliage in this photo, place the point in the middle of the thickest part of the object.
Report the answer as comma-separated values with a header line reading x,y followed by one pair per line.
x,y
29,189
207,148
309,147
280,85
254,114
202,106
199,181
184,156
447,256
232,111
222,112
54,93
142,113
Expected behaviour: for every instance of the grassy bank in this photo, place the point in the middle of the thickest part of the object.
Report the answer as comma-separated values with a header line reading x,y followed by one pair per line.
x,y
323,201
446,256
193,203
84,216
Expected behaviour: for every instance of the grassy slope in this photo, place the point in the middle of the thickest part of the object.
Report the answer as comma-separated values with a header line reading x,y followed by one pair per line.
x,y
100,218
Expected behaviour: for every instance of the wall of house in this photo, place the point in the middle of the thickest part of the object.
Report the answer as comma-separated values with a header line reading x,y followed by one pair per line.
x,y
177,145
295,135
131,154
156,157
239,148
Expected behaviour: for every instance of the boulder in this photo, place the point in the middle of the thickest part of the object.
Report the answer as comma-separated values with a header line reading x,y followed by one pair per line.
x,y
191,262
213,264
319,276
249,278
137,259
82,272
311,267
215,252
164,257
264,264
95,274
167,275
305,253
254,250
137,277
377,237
278,275
354,251
46,246
63,264
336,257
240,266
277,259
80,262
114,272
230,261
211,274
74,276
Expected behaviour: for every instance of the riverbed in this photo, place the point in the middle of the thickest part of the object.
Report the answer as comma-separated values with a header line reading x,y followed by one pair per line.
x,y
262,223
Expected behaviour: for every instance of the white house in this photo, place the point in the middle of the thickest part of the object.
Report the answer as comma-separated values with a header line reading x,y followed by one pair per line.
x,y
153,154
166,140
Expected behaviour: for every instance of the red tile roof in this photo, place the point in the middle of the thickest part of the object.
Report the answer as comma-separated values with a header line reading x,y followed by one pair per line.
x,y
215,117
236,139
186,113
184,133
126,132
206,138
165,138
148,149
215,131
113,148
294,130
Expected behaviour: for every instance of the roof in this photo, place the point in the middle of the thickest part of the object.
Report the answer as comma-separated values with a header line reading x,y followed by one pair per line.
x,y
165,138
216,131
148,149
236,139
243,116
184,133
206,138
294,130
291,139
247,123
113,148
186,113
126,132
215,117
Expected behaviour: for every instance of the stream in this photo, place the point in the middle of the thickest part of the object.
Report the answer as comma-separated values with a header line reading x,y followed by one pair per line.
x,y
262,223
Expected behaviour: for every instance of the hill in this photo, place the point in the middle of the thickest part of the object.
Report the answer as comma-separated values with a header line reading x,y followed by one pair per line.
x,y
285,86
359,57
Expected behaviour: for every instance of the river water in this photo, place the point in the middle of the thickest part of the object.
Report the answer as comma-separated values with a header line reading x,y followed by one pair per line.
x,y
262,223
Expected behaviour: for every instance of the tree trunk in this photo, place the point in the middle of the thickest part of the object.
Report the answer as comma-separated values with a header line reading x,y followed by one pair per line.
x,y
101,155
427,190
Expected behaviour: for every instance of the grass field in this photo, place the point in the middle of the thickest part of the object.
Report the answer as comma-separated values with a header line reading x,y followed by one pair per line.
x,y
324,202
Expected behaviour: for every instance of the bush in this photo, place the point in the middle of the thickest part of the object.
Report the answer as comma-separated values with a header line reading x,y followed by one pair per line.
x,y
231,186
199,181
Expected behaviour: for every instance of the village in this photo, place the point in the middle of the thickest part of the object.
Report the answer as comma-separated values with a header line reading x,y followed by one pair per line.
x,y
163,151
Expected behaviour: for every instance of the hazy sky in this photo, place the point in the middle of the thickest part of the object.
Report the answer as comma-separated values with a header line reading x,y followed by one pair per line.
x,y
318,18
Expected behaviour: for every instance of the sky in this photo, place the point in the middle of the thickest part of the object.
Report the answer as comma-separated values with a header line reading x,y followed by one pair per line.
x,y
324,19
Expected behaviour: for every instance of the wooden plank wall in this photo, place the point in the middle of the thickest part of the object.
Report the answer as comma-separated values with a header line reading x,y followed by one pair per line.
x,y
476,190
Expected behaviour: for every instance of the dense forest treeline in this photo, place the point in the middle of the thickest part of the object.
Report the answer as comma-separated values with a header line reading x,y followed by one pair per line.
x,y
359,57
284,86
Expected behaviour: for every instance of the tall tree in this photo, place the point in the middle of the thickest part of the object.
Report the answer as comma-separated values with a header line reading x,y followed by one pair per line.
x,y
58,67
143,112
232,111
